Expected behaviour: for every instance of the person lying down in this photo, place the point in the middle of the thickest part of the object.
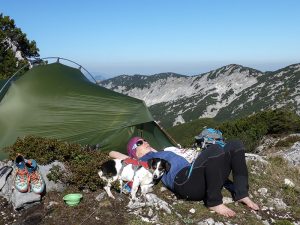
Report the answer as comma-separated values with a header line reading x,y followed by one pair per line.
x,y
201,179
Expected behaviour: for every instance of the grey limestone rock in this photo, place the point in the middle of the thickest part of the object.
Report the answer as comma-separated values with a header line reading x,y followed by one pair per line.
x,y
24,200
293,155
51,185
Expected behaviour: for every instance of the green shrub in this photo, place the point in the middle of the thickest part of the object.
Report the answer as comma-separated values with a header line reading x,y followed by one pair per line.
x,y
287,142
283,222
56,174
249,130
184,134
82,163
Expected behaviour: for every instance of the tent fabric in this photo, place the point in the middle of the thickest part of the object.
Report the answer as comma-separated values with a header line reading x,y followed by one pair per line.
x,y
58,101
2,88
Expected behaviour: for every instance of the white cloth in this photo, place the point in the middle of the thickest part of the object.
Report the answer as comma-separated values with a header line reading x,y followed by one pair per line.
x,y
188,154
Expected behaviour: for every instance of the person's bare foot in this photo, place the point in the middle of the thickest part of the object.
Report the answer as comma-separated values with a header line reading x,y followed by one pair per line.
x,y
223,210
248,202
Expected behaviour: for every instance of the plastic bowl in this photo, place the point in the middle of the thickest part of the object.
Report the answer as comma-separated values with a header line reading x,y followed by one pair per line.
x,y
72,199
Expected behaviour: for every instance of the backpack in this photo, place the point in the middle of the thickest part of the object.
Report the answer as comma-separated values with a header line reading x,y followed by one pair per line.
x,y
209,136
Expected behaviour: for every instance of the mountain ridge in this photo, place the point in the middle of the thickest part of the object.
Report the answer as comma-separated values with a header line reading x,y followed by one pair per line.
x,y
227,92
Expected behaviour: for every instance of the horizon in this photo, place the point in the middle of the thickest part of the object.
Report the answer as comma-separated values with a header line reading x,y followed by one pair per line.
x,y
150,37
139,74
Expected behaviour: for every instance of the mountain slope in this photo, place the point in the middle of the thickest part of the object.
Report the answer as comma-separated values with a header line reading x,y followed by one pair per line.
x,y
228,92
276,89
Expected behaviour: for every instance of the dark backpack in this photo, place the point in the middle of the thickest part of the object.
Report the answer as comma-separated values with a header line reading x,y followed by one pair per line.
x,y
209,136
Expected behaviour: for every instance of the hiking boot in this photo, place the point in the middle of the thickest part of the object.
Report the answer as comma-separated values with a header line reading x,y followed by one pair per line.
x,y
21,179
37,183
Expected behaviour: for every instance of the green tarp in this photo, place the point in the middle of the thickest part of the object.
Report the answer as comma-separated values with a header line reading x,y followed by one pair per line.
x,y
58,101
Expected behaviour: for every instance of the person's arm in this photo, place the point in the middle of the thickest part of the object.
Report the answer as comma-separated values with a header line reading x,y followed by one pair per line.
x,y
153,150
118,155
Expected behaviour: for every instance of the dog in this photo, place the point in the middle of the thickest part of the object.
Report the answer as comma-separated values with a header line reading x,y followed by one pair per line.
x,y
134,171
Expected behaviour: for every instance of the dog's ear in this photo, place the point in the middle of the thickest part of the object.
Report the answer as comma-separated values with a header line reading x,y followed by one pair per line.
x,y
152,162
167,166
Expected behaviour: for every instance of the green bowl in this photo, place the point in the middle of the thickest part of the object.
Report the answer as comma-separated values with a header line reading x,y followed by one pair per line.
x,y
72,199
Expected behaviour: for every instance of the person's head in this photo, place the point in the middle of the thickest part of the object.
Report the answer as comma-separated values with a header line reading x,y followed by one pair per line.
x,y
137,147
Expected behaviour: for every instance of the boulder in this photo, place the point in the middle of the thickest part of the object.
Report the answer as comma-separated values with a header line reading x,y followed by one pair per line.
x,y
25,200
255,157
293,154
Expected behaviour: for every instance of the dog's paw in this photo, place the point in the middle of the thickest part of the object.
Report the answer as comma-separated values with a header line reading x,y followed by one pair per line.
x,y
111,196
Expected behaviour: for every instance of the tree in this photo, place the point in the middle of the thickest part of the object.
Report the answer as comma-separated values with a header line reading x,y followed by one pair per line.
x,y
15,48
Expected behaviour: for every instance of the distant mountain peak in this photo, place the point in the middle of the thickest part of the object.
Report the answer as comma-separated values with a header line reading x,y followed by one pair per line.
x,y
232,69
227,92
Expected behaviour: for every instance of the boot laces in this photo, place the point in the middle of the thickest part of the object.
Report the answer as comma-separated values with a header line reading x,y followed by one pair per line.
x,y
34,177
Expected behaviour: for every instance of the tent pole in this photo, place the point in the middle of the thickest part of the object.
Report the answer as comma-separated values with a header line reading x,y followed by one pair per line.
x,y
165,132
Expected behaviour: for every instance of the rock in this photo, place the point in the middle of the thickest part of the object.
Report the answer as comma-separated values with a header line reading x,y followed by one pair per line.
x,y
227,200
162,189
289,183
155,219
293,155
255,157
259,217
5,172
150,213
51,185
192,210
6,163
51,204
7,189
209,221
85,191
100,196
265,222
151,200
266,143
227,223
145,219
24,200
44,170
277,203
262,191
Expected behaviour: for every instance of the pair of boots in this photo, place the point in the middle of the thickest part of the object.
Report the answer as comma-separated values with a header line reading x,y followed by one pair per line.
x,y
28,177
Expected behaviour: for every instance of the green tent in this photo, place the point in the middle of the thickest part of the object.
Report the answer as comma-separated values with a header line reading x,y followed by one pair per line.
x,y
58,101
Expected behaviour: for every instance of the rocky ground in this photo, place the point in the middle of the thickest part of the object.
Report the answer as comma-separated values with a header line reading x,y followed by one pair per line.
x,y
274,184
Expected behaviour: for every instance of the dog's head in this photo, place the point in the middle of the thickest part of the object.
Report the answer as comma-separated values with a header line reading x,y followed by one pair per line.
x,y
108,170
159,167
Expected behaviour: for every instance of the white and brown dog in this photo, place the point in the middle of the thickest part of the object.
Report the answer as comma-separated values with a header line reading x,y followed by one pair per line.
x,y
142,174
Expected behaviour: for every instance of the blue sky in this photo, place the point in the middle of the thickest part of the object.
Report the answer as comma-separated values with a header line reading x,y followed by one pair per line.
x,y
151,36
